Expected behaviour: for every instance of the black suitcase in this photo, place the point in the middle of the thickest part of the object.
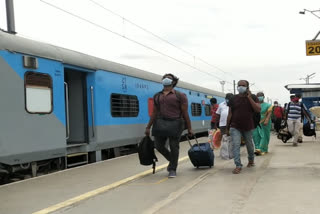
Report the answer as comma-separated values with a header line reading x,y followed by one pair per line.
x,y
200,154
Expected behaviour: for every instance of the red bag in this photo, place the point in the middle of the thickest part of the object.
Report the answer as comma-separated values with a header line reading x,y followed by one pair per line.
x,y
217,137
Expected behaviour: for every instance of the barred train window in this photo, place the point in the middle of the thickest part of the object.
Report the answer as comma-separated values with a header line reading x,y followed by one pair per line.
x,y
123,105
207,109
38,93
196,109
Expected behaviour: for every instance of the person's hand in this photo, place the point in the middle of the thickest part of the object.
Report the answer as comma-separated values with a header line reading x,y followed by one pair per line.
x,y
265,122
147,132
228,132
190,133
249,94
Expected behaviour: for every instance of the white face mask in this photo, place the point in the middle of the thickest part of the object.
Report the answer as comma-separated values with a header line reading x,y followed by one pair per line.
x,y
242,89
167,81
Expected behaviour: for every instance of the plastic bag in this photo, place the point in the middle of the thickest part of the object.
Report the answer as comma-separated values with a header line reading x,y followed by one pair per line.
x,y
226,152
210,136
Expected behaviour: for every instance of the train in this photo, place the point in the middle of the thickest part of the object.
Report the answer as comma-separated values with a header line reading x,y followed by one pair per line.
x,y
62,108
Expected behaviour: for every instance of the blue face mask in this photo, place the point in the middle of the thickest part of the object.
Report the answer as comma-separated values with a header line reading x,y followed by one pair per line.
x,y
227,101
261,99
167,81
242,89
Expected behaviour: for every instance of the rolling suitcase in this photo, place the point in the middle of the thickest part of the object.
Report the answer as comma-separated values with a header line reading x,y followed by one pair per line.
x,y
200,154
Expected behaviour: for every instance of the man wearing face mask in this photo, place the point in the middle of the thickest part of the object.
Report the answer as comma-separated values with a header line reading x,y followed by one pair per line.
x,y
278,115
170,105
240,122
261,134
222,114
295,111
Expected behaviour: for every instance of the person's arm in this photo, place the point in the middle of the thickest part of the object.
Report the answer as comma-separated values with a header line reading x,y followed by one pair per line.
x,y
306,113
269,113
218,112
152,118
229,120
256,106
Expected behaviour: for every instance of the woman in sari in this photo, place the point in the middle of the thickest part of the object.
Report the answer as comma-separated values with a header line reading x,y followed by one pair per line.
x,y
261,135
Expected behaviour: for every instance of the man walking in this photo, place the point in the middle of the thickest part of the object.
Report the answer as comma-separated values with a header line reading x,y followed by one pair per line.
x,y
170,106
240,122
278,115
214,107
222,114
295,111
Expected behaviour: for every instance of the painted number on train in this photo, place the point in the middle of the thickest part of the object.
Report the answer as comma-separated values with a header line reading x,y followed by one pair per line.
x,y
313,47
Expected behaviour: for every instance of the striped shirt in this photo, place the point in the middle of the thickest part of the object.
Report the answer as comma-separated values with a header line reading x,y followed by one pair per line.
x,y
294,110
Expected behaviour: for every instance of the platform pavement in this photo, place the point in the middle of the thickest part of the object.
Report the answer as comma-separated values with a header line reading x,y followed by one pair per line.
x,y
35,194
284,181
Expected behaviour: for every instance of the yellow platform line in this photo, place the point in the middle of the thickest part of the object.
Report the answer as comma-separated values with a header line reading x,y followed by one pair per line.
x,y
100,190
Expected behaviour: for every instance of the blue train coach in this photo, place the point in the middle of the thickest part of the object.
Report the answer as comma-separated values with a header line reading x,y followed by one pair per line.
x,y
63,108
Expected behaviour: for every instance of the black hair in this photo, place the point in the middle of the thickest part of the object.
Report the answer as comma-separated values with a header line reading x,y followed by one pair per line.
x,y
246,81
175,79
292,96
213,101
229,96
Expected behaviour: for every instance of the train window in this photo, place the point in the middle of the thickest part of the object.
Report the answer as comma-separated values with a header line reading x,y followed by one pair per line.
x,y
207,110
196,109
38,93
123,105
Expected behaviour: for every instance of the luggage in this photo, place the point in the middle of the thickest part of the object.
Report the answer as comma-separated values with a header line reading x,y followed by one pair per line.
x,y
284,133
226,152
200,154
309,129
146,153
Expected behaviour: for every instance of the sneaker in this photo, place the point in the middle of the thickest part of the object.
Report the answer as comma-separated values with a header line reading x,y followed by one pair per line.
x,y
172,174
295,144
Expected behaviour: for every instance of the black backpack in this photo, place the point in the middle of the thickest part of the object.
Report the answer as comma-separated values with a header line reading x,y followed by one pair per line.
x,y
146,152
307,131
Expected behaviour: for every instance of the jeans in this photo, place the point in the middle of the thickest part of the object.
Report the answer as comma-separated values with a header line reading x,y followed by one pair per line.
x,y
173,155
236,141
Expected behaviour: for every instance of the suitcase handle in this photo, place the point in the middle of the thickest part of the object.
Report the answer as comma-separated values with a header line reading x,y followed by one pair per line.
x,y
194,136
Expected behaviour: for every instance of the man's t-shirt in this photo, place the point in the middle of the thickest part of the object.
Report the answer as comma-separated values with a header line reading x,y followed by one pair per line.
x,y
213,112
223,111
242,113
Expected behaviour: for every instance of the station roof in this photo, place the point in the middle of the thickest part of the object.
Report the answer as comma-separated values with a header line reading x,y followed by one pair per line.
x,y
306,90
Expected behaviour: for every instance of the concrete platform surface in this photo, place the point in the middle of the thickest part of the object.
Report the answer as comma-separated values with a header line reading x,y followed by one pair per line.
x,y
286,180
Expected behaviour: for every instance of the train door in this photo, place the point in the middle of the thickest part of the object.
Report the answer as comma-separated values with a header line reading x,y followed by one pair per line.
x,y
76,107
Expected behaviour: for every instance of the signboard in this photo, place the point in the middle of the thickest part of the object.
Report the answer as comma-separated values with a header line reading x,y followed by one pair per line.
x,y
313,47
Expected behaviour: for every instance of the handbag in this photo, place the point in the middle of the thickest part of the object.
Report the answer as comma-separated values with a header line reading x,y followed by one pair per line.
x,y
165,127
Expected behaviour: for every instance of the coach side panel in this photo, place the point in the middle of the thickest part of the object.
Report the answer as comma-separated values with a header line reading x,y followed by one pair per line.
x,y
26,136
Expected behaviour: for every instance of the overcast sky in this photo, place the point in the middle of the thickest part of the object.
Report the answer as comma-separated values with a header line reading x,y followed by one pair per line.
x,y
261,41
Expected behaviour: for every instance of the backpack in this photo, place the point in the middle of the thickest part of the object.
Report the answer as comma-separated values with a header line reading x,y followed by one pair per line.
x,y
146,153
307,131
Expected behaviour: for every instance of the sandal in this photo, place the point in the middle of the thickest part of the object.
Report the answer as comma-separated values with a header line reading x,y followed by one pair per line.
x,y
250,164
236,170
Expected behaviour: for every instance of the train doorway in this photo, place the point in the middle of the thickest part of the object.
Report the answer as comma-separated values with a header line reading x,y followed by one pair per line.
x,y
76,107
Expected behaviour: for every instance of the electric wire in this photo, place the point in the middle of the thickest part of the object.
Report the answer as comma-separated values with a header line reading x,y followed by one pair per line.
x,y
134,41
155,35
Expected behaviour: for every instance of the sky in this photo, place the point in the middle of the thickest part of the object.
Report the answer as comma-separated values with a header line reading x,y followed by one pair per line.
x,y
210,41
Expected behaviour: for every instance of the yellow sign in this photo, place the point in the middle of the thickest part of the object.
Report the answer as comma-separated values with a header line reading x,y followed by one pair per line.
x,y
313,47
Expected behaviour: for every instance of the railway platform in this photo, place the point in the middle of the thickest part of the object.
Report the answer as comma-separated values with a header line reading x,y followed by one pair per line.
x,y
286,180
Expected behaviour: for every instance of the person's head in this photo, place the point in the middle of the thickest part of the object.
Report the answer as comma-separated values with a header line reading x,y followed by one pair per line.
x,y
260,96
213,101
228,97
169,80
275,103
294,99
243,86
